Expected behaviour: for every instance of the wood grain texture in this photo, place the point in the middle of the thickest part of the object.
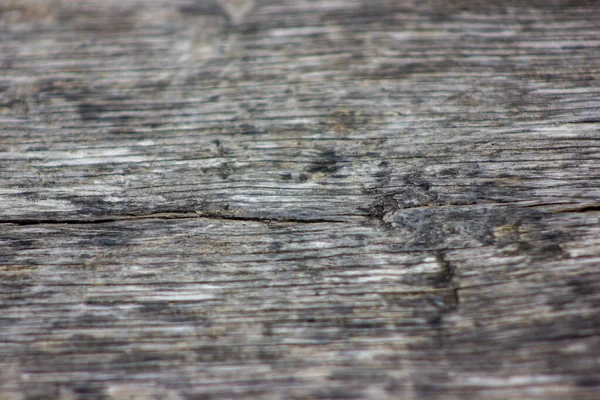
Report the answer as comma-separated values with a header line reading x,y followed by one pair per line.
x,y
299,199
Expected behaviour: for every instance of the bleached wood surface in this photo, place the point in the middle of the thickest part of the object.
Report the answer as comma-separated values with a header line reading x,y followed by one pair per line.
x,y
299,199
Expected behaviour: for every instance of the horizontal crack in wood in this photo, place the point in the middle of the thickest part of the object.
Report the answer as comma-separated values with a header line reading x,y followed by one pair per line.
x,y
579,209
166,216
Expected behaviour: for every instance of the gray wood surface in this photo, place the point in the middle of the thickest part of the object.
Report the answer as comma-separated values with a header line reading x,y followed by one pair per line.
x,y
299,199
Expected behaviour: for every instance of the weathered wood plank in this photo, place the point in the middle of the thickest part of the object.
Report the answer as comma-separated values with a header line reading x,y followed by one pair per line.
x,y
299,199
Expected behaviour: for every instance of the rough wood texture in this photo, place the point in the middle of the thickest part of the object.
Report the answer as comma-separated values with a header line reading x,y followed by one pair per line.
x,y
299,199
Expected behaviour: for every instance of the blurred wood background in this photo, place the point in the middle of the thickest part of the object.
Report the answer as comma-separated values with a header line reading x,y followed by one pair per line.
x,y
331,199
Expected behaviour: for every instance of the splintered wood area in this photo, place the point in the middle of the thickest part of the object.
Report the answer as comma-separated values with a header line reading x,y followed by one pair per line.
x,y
237,199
